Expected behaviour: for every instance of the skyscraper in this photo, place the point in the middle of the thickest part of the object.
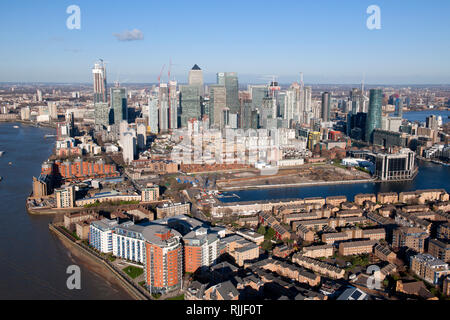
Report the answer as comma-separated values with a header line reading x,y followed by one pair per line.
x,y
163,107
128,143
399,107
196,77
326,106
99,73
231,83
190,102
153,119
119,104
173,105
102,114
217,103
374,115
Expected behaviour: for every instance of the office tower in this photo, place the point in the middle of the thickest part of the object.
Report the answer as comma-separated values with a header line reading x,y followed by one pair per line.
x,y
257,94
99,73
190,103
326,106
398,166
119,105
173,105
217,103
231,83
267,111
374,113
153,117
255,119
196,78
246,119
102,114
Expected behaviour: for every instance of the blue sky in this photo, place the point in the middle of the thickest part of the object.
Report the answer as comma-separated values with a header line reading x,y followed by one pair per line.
x,y
326,39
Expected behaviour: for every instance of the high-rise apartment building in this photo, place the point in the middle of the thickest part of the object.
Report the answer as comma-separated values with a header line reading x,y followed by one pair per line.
x,y
65,197
173,105
163,266
119,104
128,144
153,118
150,193
101,235
99,73
326,106
102,114
200,249
374,114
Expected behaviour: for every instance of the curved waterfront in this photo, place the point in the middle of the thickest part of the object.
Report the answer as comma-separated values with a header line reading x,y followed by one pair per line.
x,y
33,261
430,176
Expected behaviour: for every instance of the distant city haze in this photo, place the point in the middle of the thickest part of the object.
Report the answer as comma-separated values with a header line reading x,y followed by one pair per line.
x,y
326,40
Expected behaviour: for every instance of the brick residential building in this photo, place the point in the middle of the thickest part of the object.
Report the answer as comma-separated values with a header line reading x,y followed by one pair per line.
x,y
429,268
413,238
163,264
356,247
439,249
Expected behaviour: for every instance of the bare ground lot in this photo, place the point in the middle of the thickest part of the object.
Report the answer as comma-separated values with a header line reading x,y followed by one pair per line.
x,y
298,175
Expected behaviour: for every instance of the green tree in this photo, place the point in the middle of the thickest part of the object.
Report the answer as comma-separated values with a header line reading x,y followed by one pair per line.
x,y
261,230
270,233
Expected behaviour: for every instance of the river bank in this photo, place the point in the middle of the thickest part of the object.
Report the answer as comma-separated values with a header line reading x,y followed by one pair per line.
x,y
32,259
98,265
30,123
300,184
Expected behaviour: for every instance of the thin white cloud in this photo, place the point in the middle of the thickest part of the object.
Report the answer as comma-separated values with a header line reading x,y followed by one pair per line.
x,y
132,35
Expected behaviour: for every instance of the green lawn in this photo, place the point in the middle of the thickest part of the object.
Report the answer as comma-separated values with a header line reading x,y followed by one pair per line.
x,y
133,272
181,297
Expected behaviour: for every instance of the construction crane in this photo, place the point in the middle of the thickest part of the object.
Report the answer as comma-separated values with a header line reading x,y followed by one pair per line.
x,y
160,74
170,68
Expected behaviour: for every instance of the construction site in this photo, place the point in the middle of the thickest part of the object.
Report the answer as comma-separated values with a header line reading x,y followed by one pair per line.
x,y
302,175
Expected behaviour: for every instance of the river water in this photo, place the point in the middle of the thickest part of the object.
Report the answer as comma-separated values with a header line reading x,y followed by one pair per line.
x,y
33,262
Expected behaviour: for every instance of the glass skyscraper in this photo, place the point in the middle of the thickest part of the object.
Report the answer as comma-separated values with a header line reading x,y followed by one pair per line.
x,y
374,113
190,103
119,104
326,106
102,114
231,83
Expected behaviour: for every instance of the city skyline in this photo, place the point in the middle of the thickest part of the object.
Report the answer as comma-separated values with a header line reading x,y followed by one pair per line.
x,y
258,41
